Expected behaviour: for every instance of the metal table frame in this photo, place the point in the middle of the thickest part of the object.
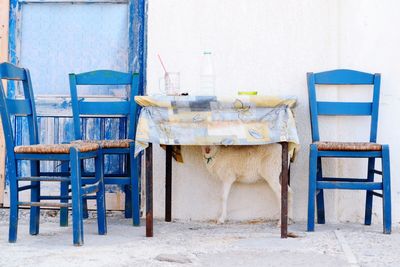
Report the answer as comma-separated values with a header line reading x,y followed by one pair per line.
x,y
168,188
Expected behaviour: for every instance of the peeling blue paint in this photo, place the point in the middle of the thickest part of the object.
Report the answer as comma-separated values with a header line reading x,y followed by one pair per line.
x,y
55,123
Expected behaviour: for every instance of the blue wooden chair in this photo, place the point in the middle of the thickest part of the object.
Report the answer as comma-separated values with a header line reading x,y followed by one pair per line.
x,y
370,150
126,109
34,153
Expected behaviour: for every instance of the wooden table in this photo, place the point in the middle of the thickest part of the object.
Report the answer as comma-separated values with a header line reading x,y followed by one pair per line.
x,y
168,188
210,120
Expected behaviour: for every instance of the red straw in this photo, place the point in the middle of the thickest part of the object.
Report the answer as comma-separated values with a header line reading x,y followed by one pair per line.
x,y
162,64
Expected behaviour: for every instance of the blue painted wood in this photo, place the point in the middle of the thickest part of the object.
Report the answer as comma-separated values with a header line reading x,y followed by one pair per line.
x,y
375,108
342,179
100,196
318,183
135,182
77,209
14,36
125,108
312,186
74,157
369,197
386,193
138,50
349,185
19,107
320,195
350,154
344,76
64,194
104,77
23,188
344,108
11,72
312,102
104,108
56,157
35,197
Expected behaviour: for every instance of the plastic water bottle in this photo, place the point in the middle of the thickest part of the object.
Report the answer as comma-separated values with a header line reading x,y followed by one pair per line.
x,y
207,75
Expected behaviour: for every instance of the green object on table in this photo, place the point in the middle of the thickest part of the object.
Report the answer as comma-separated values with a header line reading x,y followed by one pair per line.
x,y
247,93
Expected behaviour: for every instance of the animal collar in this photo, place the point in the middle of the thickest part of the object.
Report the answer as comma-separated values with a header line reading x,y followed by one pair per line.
x,y
211,158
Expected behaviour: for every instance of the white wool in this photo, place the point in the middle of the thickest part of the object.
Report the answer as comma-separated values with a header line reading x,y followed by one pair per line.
x,y
244,164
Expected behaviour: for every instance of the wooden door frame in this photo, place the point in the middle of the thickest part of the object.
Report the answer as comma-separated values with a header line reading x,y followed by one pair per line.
x,y
4,12
10,41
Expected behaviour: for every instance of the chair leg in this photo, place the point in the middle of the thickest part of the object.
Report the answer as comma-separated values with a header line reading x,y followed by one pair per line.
x,y
320,207
34,211
387,209
34,217
312,187
77,209
369,195
13,226
85,208
128,202
64,211
64,193
320,196
100,196
135,194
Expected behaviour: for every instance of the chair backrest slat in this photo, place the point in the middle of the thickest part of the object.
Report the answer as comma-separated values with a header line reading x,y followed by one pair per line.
x,y
343,77
344,108
103,108
104,77
11,72
19,107
124,108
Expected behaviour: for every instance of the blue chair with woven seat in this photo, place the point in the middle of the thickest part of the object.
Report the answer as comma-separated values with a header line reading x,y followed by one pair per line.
x,y
105,108
370,150
34,153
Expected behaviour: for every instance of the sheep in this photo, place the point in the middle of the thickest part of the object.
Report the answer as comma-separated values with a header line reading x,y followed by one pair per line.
x,y
245,164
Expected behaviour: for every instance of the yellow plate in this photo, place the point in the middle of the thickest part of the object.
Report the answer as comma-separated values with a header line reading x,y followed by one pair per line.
x,y
247,93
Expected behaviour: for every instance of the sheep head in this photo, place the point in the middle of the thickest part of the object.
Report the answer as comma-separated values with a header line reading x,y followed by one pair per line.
x,y
209,152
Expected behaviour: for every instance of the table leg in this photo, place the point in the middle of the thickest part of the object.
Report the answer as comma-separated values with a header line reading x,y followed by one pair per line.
x,y
149,191
284,190
168,183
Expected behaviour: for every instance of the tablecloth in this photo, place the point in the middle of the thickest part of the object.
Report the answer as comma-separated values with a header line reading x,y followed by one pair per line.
x,y
211,120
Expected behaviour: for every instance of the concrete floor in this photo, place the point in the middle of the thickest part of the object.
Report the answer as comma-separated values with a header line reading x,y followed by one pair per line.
x,y
198,244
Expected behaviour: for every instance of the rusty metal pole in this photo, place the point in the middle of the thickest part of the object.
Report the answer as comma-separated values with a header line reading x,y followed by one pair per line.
x,y
284,190
168,183
149,191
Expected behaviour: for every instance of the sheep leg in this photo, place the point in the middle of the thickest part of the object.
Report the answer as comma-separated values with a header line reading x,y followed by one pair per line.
x,y
226,188
290,203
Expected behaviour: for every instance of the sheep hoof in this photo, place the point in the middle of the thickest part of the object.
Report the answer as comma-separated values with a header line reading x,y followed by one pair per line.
x,y
220,221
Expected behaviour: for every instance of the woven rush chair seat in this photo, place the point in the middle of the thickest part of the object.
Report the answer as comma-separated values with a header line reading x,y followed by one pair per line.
x,y
56,149
348,146
120,143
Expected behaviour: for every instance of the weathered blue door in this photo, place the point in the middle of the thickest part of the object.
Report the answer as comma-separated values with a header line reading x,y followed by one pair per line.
x,y
54,38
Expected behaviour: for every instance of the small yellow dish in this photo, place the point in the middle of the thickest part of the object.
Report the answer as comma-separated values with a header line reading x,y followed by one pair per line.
x,y
247,93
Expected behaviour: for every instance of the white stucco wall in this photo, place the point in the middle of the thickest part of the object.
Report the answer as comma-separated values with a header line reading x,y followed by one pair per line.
x,y
268,46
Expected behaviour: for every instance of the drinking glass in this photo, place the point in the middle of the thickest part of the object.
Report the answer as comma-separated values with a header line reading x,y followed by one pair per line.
x,y
170,83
